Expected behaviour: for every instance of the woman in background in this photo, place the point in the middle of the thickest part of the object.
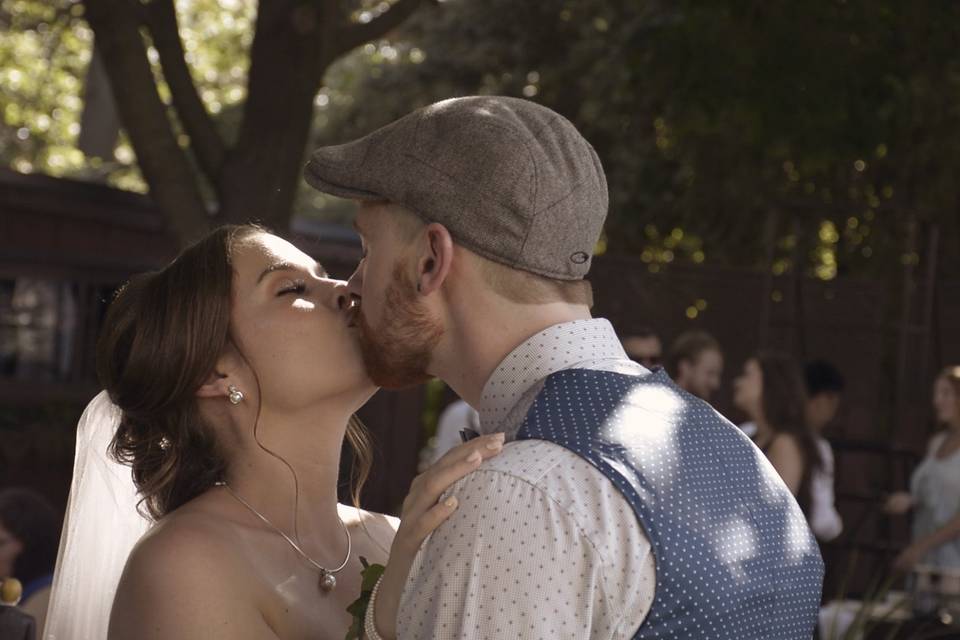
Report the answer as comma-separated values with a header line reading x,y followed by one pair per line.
x,y
934,495
29,529
771,392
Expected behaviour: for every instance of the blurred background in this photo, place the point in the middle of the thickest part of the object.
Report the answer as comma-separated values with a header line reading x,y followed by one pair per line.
x,y
782,175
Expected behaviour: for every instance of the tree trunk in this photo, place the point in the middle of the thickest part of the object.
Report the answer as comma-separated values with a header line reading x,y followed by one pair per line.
x,y
164,164
261,173
257,180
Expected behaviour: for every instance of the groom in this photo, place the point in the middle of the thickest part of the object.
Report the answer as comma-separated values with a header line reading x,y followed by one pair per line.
x,y
622,507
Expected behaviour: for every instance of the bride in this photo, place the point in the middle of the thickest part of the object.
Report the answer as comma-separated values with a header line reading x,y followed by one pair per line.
x,y
232,377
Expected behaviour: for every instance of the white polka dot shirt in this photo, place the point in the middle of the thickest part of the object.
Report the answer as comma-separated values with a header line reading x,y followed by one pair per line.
x,y
542,545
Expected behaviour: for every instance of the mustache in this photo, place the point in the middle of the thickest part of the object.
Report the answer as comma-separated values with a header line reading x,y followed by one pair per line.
x,y
397,351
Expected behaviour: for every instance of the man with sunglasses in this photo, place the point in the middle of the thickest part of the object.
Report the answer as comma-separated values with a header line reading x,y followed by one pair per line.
x,y
644,346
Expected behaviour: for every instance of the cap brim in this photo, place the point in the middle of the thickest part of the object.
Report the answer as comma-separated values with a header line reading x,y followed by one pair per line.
x,y
316,177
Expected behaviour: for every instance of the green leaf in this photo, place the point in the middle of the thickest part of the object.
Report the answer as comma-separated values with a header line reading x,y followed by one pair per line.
x,y
358,608
370,575
355,632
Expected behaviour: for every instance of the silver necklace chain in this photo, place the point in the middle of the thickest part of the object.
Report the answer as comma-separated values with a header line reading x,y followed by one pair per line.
x,y
327,580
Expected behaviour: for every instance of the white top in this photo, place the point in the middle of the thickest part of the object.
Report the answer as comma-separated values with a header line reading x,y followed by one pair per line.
x,y
935,487
456,417
824,520
542,544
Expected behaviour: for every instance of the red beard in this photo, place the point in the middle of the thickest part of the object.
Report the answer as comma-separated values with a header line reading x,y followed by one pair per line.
x,y
397,354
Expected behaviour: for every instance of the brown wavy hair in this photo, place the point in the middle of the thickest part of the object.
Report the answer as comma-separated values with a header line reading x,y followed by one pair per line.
x,y
784,402
162,337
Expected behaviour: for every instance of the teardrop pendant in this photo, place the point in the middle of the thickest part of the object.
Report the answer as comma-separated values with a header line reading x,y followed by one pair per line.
x,y
327,581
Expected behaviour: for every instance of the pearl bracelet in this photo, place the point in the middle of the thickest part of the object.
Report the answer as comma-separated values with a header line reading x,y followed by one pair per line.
x,y
369,625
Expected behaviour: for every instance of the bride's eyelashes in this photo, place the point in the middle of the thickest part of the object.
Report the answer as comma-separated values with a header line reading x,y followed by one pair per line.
x,y
296,286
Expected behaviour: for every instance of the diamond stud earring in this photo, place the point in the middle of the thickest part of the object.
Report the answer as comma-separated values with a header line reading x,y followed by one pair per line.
x,y
236,396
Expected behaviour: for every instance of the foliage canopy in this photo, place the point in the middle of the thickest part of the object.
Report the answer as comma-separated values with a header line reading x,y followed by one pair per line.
x,y
742,133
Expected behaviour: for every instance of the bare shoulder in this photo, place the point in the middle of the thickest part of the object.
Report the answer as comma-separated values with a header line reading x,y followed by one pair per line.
x,y
185,542
182,577
379,526
785,444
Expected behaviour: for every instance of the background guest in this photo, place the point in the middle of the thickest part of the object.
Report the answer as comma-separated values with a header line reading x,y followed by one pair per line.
x,y
455,418
29,534
16,625
695,363
934,493
824,387
770,390
644,346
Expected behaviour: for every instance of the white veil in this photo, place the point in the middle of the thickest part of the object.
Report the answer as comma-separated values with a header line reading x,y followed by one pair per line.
x,y
101,527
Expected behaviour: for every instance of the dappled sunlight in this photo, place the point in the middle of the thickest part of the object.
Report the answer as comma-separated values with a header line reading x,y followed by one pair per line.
x,y
303,304
770,481
290,589
644,406
799,540
736,543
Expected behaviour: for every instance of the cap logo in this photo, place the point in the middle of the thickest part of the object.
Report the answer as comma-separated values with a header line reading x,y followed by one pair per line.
x,y
579,257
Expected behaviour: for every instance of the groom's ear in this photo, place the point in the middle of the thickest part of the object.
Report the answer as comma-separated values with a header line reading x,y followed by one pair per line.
x,y
434,263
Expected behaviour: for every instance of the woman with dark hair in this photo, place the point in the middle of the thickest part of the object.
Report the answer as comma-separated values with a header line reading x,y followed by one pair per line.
x,y
29,529
771,391
236,371
934,495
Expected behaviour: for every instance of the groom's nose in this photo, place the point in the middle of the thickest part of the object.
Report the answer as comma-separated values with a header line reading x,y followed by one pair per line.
x,y
354,285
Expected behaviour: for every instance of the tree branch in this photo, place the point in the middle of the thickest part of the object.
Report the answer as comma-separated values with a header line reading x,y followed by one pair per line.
x,y
287,58
206,143
165,166
353,35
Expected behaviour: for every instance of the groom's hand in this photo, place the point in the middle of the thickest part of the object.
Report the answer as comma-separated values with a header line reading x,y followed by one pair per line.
x,y
423,511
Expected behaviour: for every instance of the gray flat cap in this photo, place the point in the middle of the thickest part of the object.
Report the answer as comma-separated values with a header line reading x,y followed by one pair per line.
x,y
510,179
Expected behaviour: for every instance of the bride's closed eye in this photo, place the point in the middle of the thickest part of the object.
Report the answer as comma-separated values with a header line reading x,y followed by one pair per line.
x,y
294,286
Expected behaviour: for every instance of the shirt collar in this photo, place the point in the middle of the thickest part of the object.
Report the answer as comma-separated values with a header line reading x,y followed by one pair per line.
x,y
568,345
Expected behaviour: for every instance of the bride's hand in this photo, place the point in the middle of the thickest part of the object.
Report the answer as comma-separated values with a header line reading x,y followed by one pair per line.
x,y
422,513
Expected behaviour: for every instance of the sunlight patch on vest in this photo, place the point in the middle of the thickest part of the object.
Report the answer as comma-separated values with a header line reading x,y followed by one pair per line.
x,y
735,542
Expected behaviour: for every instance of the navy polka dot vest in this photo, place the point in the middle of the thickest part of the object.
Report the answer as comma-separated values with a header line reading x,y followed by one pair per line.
x,y
734,556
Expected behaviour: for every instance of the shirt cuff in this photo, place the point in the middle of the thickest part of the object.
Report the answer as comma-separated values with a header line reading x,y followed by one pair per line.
x,y
369,625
